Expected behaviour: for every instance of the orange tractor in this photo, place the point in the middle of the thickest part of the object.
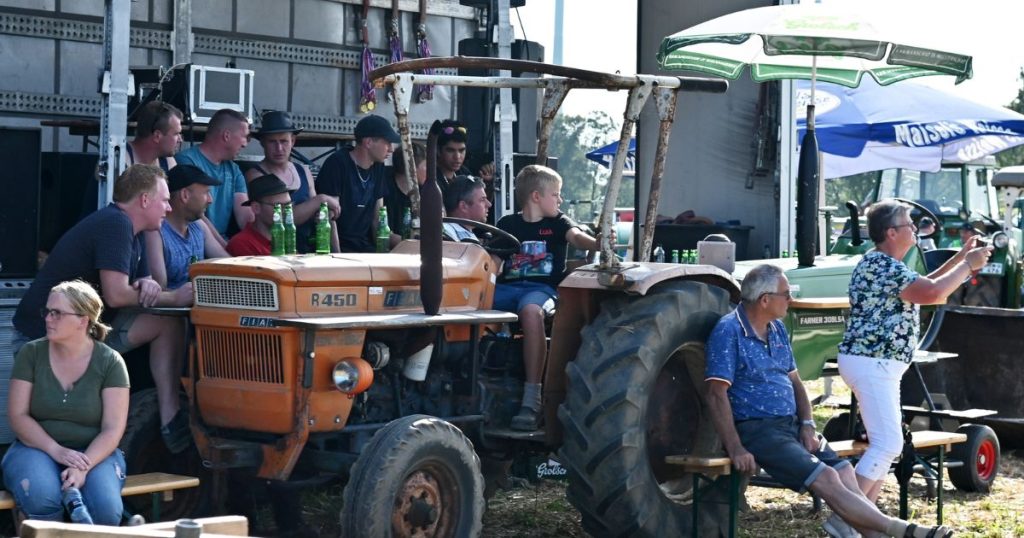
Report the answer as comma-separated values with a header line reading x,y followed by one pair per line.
x,y
388,370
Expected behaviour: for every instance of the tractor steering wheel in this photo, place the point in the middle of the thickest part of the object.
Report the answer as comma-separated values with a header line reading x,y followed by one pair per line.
x,y
496,235
923,212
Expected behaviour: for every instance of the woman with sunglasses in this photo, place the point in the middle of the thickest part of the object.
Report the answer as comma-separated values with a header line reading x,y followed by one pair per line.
x,y
882,331
68,406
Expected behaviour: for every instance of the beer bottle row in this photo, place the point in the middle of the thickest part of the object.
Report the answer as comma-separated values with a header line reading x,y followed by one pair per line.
x,y
686,256
282,231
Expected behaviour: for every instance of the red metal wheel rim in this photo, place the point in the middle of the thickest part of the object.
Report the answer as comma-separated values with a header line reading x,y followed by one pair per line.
x,y
985,462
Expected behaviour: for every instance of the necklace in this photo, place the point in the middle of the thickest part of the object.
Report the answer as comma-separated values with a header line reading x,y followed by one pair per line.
x,y
360,175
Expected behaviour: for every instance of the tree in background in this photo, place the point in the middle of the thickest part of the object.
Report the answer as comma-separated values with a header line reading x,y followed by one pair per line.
x,y
583,179
1014,155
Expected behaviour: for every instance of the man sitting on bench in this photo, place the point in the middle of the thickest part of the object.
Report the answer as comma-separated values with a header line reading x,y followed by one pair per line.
x,y
761,411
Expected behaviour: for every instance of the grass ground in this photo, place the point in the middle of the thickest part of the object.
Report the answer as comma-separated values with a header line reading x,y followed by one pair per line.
x,y
541,510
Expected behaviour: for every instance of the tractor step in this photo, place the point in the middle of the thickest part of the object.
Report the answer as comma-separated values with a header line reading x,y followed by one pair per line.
x,y
508,433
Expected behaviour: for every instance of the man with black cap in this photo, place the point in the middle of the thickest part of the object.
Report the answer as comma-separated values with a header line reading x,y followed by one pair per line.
x,y
183,237
277,136
264,193
356,178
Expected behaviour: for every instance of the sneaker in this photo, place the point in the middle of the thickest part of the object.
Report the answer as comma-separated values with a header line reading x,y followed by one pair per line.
x,y
176,433
527,420
135,520
837,528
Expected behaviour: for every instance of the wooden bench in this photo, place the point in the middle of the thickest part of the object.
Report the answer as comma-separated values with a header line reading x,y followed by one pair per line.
x,y
709,468
160,485
211,527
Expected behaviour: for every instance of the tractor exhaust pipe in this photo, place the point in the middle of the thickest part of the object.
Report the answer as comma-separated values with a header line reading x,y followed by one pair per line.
x,y
431,280
807,195
855,238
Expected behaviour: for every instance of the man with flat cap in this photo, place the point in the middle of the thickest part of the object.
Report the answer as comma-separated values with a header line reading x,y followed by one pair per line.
x,y
277,136
356,178
264,193
184,237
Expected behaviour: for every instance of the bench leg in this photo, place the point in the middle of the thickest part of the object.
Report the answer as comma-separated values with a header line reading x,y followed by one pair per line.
x,y
938,481
694,517
734,501
156,506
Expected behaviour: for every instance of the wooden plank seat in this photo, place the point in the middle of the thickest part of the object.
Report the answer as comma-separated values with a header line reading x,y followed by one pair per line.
x,y
211,527
160,485
710,467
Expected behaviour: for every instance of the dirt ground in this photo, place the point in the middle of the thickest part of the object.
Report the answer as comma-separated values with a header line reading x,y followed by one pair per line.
x,y
541,510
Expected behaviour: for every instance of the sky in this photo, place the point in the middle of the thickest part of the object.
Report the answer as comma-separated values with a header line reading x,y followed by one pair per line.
x,y
989,30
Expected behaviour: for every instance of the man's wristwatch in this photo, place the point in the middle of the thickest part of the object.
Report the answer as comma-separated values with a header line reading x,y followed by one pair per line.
x,y
808,423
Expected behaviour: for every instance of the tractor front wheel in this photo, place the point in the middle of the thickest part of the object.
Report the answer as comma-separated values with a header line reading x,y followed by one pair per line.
x,y
418,476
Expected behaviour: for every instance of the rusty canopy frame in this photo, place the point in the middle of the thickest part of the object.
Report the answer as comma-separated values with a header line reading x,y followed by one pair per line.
x,y
556,83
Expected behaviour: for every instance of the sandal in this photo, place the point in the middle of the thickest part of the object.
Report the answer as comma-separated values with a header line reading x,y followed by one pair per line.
x,y
938,531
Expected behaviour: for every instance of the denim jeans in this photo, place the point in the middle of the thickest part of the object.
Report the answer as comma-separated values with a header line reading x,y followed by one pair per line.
x,y
33,478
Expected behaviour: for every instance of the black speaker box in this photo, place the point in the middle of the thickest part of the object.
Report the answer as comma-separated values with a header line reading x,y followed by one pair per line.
x,y
476,105
19,205
69,192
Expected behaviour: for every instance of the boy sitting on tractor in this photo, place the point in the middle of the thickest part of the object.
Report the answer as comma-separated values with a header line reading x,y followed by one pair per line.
x,y
529,279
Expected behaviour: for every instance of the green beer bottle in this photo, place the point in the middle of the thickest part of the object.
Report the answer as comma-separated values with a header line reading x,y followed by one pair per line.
x,y
277,233
407,223
383,231
289,229
323,230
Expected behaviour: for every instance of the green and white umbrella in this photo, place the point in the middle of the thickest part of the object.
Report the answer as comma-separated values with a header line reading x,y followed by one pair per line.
x,y
808,41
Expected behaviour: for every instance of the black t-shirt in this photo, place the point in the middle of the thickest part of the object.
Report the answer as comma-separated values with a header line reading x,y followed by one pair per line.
x,y
542,256
103,240
358,191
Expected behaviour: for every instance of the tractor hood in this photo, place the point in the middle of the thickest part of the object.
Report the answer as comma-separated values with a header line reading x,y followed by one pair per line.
x,y
828,277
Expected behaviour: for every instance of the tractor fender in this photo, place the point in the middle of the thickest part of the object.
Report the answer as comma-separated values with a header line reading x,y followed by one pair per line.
x,y
638,278
580,297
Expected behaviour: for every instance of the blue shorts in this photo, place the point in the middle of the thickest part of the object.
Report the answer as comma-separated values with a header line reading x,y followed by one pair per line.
x,y
776,447
514,296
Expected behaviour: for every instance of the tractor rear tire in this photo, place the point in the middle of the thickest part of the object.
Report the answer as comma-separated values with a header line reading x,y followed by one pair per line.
x,y
418,476
980,455
145,452
634,396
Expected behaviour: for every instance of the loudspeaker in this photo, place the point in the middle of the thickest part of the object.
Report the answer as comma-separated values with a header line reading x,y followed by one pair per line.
x,y
19,204
68,193
476,106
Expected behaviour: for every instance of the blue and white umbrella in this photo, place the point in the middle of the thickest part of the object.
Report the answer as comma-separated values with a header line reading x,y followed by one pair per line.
x,y
907,125
605,155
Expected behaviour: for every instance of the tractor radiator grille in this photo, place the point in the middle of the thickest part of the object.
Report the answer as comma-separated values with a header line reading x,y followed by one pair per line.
x,y
231,292
241,356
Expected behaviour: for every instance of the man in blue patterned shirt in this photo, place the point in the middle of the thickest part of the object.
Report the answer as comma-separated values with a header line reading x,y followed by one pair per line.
x,y
761,411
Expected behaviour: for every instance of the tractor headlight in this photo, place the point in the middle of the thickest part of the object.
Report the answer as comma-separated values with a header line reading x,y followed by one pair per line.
x,y
352,375
1000,240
